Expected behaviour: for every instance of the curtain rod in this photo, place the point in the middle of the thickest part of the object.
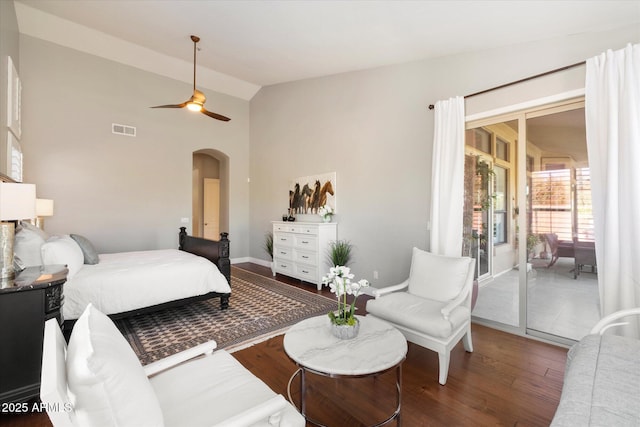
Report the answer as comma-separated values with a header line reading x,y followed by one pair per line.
x,y
577,64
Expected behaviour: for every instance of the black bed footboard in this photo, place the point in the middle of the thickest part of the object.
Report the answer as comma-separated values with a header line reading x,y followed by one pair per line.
x,y
215,251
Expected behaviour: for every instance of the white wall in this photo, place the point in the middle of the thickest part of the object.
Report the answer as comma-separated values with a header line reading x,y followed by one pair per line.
x,y
374,129
123,193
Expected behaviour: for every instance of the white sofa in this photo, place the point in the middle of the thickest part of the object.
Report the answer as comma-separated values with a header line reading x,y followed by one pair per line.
x,y
602,379
98,381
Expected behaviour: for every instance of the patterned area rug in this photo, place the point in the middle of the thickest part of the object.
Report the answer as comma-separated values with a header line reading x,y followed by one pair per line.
x,y
259,308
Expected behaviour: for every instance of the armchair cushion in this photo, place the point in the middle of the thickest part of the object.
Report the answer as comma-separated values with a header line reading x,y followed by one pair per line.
x,y
208,391
420,314
429,272
105,375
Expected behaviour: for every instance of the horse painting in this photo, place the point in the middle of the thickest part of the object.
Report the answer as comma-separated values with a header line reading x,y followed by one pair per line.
x,y
309,194
326,188
299,199
315,197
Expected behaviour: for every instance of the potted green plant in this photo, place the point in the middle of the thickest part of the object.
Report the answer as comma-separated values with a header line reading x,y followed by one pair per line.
x,y
532,241
268,247
340,252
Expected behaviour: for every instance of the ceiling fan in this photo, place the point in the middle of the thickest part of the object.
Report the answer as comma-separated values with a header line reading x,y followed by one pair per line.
x,y
197,100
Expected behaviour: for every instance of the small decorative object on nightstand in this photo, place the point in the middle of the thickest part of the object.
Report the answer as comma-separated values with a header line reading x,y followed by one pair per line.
x,y
27,301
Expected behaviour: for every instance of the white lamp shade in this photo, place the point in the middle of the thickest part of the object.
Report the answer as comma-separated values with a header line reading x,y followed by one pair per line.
x,y
17,201
44,207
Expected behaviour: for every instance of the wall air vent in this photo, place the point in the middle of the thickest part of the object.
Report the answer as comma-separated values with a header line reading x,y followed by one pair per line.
x,y
123,129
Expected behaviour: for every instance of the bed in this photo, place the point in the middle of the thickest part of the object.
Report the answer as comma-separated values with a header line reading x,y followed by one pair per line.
x,y
130,283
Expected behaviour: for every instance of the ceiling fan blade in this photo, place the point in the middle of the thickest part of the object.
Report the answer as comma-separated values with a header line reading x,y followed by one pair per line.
x,y
184,104
215,115
197,100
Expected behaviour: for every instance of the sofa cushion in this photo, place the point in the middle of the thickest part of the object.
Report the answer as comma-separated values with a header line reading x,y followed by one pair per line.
x,y
437,277
63,250
106,377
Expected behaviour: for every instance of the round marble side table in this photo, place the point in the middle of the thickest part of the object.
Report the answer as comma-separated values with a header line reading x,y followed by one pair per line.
x,y
378,348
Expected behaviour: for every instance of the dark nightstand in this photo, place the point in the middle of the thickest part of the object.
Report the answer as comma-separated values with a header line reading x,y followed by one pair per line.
x,y
34,296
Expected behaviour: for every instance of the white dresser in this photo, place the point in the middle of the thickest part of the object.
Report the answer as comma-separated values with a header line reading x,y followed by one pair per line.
x,y
301,249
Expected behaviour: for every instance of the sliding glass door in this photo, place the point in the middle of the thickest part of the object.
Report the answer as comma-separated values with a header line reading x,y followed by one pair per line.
x,y
528,222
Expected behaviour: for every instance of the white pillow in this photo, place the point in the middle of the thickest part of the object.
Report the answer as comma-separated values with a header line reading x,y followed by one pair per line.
x,y
63,250
106,377
437,277
27,244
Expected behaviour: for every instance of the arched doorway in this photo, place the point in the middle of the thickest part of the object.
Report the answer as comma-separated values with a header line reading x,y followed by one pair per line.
x,y
210,192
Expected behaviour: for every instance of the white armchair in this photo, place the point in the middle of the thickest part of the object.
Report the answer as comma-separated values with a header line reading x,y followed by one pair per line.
x,y
432,308
99,381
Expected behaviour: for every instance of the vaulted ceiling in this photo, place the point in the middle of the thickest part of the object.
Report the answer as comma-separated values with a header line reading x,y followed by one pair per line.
x,y
249,44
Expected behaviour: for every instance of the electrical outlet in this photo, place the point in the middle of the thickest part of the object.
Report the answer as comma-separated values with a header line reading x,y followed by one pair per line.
x,y
375,274
184,220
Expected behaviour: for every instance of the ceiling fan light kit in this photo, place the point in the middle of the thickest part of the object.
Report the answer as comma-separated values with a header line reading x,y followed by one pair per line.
x,y
194,107
197,100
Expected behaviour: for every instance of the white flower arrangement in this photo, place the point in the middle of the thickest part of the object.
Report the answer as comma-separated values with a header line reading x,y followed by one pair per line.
x,y
340,283
325,211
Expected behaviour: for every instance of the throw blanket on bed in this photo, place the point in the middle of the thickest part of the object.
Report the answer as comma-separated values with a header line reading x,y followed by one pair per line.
x,y
128,281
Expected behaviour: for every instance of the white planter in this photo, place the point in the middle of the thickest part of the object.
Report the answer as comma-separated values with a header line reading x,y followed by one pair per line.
x,y
345,332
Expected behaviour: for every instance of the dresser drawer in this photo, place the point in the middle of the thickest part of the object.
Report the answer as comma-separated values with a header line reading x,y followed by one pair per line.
x,y
282,252
283,239
306,272
285,267
306,229
305,242
306,257
284,227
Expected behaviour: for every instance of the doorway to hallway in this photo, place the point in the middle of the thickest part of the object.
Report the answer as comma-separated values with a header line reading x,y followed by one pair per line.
x,y
210,194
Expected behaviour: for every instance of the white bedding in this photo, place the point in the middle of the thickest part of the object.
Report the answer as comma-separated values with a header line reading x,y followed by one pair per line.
x,y
127,281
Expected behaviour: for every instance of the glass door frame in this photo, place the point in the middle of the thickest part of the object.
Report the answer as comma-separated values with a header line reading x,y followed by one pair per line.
x,y
520,113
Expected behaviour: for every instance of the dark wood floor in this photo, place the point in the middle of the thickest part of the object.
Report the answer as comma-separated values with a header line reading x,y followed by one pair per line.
x,y
507,381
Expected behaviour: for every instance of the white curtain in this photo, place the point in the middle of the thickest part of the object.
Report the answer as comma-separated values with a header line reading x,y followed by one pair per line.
x,y
447,182
612,98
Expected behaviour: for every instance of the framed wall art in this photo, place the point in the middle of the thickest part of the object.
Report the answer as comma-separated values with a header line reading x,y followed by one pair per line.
x,y
14,99
308,193
14,158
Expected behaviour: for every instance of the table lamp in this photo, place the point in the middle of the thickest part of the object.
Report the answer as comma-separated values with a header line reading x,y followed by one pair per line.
x,y
44,208
17,202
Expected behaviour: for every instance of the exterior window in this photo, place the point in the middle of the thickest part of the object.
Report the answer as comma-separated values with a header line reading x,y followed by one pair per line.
x,y
584,212
551,203
502,150
479,139
501,196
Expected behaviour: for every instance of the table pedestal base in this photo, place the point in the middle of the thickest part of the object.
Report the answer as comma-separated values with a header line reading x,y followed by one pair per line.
x,y
302,407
